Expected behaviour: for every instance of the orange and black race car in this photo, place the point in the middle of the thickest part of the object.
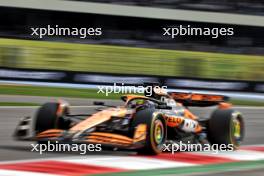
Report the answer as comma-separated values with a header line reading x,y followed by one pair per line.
x,y
142,123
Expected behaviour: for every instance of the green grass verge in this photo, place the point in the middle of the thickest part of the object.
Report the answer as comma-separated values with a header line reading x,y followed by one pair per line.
x,y
80,93
128,60
18,104
54,92
246,165
247,102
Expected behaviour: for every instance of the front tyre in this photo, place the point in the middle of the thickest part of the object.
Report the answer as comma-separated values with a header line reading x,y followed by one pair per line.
x,y
156,131
48,117
226,126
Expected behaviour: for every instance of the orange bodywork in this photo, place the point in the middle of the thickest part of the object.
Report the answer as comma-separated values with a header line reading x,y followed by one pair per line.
x,y
116,139
174,121
196,97
198,129
108,138
223,105
98,118
189,115
101,137
140,133
50,133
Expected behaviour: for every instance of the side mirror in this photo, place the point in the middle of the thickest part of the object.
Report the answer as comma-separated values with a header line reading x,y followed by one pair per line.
x,y
99,103
163,107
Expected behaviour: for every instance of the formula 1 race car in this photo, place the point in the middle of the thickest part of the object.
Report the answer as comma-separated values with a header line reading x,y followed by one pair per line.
x,y
143,123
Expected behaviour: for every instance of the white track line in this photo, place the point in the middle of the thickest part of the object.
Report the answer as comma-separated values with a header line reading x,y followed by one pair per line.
x,y
87,157
243,154
127,162
134,162
4,172
249,107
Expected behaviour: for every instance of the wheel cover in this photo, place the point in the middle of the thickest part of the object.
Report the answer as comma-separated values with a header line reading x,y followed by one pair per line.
x,y
158,132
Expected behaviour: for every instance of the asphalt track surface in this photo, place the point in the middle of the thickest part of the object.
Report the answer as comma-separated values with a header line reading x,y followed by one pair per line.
x,y
16,150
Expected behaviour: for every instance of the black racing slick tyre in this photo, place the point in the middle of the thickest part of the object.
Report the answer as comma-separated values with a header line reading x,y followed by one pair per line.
x,y
47,118
156,131
226,126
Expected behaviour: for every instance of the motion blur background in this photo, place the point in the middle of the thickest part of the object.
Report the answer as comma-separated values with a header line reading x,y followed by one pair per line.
x,y
132,40
131,50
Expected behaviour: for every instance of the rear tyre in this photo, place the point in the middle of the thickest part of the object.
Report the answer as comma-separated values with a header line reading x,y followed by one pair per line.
x,y
156,131
226,126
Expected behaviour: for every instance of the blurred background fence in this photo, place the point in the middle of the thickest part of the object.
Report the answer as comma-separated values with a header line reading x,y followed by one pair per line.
x,y
132,43
233,6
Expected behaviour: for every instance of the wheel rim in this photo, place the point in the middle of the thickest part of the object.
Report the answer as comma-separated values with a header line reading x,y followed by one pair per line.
x,y
158,132
237,129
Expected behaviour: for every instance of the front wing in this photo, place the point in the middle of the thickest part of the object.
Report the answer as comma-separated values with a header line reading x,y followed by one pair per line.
x,y
24,131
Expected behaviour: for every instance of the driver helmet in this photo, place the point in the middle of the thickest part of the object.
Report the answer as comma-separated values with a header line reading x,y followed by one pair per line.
x,y
140,102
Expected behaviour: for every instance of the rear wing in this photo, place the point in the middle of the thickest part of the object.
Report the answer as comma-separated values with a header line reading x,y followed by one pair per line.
x,y
196,99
